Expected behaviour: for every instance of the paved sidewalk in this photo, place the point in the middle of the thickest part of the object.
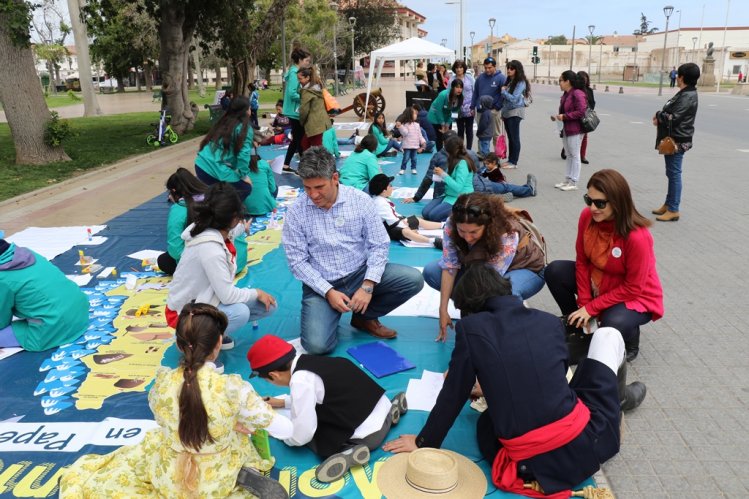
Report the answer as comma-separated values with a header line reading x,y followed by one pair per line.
x,y
689,438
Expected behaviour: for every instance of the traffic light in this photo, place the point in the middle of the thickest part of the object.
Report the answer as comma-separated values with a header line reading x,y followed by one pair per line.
x,y
535,50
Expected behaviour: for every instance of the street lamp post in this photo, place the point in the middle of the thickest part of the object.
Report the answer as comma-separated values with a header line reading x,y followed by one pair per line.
x,y
352,23
492,21
678,37
667,11
334,6
472,34
600,57
549,75
591,29
694,48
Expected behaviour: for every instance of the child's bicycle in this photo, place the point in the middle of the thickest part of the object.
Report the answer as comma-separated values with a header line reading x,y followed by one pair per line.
x,y
164,133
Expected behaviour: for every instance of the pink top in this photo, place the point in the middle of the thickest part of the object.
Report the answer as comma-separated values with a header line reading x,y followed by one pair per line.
x,y
611,269
411,136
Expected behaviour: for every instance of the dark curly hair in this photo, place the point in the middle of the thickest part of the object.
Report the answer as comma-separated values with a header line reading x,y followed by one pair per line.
x,y
487,210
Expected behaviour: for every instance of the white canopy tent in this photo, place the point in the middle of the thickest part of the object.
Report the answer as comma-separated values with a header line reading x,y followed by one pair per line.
x,y
413,48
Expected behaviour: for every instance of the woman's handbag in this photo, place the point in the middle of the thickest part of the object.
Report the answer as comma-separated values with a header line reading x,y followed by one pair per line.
x,y
590,120
500,147
667,145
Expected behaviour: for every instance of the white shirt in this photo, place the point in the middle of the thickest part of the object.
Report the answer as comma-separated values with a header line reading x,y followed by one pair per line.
x,y
307,390
386,211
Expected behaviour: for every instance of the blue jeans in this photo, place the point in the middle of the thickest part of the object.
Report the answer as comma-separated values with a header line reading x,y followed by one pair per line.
x,y
512,129
320,321
673,173
518,191
525,283
7,338
239,314
409,153
392,144
243,188
437,210
485,146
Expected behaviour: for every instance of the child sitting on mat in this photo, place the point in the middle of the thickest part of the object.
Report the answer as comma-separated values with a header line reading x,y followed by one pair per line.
x,y
338,411
200,448
399,228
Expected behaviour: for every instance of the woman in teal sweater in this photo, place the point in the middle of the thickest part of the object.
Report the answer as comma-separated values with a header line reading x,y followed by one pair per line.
x,y
50,310
225,150
458,179
262,199
384,143
444,106
362,165
301,58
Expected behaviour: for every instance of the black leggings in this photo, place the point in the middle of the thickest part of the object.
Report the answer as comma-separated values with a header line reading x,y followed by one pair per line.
x,y
465,127
297,132
560,277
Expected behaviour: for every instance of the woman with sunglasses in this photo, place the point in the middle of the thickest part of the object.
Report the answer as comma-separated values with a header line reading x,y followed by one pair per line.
x,y
613,278
481,229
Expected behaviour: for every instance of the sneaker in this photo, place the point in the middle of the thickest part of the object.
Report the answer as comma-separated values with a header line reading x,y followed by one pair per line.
x,y
509,166
260,485
561,184
584,161
227,343
356,132
334,467
414,171
569,187
218,366
532,182
437,243
507,197
402,172
398,408
389,154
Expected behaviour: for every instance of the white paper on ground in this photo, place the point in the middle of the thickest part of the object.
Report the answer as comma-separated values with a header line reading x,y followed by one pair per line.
x,y
80,280
105,273
94,241
415,244
425,304
145,254
91,262
422,393
286,191
297,344
53,241
431,232
346,154
385,162
277,164
7,352
409,192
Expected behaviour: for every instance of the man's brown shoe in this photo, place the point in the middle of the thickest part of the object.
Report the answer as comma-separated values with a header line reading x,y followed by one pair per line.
x,y
669,216
660,211
373,327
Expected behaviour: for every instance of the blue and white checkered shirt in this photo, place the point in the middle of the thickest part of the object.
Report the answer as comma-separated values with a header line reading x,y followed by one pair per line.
x,y
326,245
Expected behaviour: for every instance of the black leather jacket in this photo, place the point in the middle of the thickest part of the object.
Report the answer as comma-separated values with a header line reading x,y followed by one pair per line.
x,y
680,110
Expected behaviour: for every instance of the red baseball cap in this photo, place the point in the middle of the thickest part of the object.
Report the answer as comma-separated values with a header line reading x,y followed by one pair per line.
x,y
269,353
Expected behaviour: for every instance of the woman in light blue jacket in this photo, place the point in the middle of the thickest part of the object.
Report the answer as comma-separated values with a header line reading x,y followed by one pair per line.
x,y
516,97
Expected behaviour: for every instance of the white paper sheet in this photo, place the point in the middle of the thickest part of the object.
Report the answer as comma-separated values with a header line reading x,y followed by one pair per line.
x,y
94,241
415,244
145,254
425,304
409,192
385,162
422,393
105,273
80,280
88,262
7,352
287,191
53,241
277,164
431,232
346,154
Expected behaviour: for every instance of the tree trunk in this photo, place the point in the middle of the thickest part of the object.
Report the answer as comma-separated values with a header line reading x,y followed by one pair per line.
x,y
148,74
218,76
175,35
199,71
23,102
242,73
52,86
189,73
90,104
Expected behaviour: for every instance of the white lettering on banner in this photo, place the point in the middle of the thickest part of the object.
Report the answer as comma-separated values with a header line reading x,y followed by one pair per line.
x,y
73,436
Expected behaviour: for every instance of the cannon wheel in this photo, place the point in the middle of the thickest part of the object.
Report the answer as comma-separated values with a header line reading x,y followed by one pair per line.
x,y
376,104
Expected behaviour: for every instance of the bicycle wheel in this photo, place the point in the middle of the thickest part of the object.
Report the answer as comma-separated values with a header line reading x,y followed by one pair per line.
x,y
151,140
173,137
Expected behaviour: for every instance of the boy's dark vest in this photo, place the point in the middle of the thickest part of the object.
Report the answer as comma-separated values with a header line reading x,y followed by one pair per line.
x,y
350,397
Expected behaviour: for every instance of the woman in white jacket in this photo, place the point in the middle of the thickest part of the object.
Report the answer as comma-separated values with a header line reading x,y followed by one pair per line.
x,y
205,273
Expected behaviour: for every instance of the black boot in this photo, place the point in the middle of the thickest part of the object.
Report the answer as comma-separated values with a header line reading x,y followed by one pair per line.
x,y
260,485
630,395
577,346
633,346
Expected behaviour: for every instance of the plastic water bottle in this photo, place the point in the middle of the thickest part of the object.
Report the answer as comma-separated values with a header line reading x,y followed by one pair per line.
x,y
255,325
273,224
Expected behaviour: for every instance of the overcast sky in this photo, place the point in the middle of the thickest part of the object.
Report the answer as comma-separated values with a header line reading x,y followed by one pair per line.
x,y
541,18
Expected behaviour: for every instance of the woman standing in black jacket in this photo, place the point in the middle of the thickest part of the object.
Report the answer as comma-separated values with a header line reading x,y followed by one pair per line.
x,y
591,104
676,120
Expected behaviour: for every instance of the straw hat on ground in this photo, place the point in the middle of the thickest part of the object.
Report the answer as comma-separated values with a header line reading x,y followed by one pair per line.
x,y
431,473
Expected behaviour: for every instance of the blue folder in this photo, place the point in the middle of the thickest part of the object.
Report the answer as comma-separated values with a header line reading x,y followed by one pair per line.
x,y
380,359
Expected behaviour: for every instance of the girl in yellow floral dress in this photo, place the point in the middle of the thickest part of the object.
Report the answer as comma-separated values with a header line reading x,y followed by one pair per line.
x,y
200,448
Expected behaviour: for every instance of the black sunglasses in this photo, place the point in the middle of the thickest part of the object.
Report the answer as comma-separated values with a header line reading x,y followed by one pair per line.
x,y
473,211
600,203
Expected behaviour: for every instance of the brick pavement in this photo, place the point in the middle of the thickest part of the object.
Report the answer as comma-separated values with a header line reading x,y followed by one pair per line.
x,y
689,437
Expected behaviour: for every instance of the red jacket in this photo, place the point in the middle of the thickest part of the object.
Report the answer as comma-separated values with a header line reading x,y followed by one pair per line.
x,y
572,105
625,272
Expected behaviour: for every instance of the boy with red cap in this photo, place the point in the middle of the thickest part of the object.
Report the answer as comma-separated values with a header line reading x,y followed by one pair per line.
x,y
338,411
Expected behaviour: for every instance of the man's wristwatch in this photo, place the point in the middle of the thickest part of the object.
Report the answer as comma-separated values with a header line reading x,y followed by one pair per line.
x,y
368,289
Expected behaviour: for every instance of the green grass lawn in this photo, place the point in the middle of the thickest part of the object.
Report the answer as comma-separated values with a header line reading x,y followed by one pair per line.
x,y
99,141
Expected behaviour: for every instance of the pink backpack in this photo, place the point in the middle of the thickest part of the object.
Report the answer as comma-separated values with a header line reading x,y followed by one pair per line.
x,y
500,148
